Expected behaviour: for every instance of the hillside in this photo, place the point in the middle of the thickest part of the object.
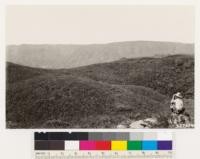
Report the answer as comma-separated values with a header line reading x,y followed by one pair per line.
x,y
75,101
166,75
17,73
96,96
68,56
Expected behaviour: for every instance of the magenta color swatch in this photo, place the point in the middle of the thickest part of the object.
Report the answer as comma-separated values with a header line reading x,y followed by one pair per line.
x,y
87,145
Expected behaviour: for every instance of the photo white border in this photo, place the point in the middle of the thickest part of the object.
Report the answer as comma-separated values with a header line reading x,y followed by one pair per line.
x,y
23,137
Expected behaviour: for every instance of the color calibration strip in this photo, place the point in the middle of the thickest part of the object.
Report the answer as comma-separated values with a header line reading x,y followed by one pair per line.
x,y
103,141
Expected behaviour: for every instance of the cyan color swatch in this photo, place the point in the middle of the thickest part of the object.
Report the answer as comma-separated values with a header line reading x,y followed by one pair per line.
x,y
149,145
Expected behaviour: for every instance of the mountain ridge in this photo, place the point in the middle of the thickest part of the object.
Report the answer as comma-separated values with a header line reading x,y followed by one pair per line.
x,y
70,56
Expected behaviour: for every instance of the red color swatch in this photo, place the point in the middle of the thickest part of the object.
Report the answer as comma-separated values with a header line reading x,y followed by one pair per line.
x,y
103,145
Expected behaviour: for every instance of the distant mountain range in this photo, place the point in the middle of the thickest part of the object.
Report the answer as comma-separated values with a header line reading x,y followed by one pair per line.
x,y
69,56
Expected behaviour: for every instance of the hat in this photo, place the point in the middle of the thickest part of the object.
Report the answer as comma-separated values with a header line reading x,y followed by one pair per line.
x,y
178,95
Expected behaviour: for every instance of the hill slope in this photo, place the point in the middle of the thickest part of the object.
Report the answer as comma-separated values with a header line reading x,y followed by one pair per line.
x,y
75,101
167,75
17,73
68,56
100,95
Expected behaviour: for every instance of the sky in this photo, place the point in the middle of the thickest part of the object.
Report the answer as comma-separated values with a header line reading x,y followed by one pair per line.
x,y
98,24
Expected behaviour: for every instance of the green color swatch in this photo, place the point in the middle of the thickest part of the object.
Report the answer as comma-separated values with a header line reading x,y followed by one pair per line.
x,y
134,145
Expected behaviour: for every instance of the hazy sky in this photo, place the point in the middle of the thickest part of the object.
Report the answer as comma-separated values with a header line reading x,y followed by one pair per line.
x,y
98,24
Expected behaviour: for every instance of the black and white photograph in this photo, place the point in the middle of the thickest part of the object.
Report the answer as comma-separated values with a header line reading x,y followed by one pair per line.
x,y
105,66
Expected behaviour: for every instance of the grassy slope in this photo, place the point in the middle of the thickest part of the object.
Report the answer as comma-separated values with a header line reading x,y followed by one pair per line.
x,y
71,99
17,73
99,95
166,75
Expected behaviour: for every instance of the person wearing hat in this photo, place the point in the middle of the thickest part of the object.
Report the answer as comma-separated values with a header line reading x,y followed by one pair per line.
x,y
176,105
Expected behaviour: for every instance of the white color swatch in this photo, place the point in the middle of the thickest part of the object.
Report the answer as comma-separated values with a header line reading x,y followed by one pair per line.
x,y
72,145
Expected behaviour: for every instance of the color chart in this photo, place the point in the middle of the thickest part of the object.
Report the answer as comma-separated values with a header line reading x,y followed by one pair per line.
x,y
94,145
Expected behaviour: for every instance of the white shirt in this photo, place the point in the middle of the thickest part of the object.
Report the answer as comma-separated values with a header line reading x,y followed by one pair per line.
x,y
178,104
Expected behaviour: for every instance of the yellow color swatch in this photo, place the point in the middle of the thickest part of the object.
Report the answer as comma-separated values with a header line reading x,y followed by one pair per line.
x,y
119,145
